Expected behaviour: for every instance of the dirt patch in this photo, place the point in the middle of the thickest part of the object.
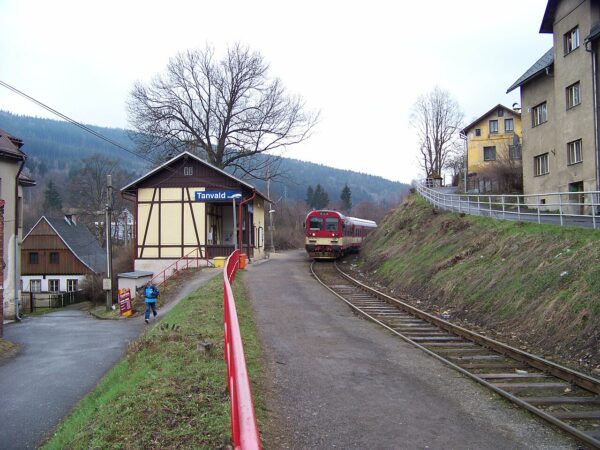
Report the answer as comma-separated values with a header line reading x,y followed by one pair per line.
x,y
7,350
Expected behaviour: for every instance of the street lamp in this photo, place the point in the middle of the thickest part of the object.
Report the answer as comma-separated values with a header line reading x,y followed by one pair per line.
x,y
234,197
463,136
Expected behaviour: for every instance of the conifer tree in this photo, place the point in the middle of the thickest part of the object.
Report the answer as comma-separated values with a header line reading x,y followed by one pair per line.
x,y
52,199
346,198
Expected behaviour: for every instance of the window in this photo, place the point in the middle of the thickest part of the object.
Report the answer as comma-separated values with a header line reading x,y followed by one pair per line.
x,y
34,258
509,125
500,112
331,224
514,151
188,171
574,155
493,126
35,285
489,153
54,258
573,95
540,165
477,131
571,40
539,114
71,285
315,223
54,285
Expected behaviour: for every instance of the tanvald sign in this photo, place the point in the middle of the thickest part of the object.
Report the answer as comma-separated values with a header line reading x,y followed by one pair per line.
x,y
216,196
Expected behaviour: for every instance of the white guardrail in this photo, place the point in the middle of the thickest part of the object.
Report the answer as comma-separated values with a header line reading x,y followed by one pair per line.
x,y
580,209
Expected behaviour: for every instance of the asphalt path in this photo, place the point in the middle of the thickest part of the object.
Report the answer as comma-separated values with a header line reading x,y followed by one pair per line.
x,y
335,380
63,355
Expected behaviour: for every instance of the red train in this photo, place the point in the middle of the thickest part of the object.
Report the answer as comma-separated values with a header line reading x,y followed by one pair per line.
x,y
330,234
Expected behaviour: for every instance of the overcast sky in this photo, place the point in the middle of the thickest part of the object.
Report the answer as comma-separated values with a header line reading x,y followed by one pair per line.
x,y
362,64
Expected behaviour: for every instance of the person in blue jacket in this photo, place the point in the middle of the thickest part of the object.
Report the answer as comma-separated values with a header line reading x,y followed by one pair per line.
x,y
151,293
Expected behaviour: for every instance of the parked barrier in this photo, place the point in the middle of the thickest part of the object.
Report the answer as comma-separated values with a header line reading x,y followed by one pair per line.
x,y
244,429
559,208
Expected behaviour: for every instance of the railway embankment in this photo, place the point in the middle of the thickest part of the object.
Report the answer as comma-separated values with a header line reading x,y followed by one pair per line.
x,y
536,287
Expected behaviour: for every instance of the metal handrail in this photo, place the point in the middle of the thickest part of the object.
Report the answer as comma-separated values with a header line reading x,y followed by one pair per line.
x,y
559,208
174,268
244,428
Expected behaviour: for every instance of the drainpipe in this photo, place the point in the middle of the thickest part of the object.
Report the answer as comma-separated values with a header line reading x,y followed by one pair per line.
x,y
17,243
241,220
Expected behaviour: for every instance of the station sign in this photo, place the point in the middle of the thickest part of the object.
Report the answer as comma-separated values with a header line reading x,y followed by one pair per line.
x,y
216,196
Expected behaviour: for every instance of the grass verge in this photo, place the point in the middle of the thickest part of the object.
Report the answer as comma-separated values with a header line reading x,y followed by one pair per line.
x,y
167,392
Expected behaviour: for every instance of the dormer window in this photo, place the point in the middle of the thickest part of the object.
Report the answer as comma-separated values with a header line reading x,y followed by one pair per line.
x,y
571,40
188,171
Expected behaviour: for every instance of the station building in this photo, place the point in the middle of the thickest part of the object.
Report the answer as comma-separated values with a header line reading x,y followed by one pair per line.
x,y
186,207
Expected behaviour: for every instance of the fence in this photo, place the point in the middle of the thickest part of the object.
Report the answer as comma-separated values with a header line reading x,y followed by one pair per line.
x,y
580,209
172,271
244,429
32,300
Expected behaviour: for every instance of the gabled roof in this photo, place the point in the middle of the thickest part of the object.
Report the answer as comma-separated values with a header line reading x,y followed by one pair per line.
x,y
24,180
10,146
594,33
548,20
79,240
187,154
466,129
534,71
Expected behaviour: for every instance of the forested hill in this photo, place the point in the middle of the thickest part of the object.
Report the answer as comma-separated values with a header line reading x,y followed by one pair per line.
x,y
57,146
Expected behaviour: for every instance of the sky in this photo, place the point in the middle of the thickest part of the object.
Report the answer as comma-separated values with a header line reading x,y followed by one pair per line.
x,y
361,64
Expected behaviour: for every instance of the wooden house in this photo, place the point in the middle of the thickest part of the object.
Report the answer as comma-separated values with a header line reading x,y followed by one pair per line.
x,y
185,206
57,254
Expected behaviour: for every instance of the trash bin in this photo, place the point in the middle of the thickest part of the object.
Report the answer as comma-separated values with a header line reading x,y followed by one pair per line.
x,y
242,260
219,261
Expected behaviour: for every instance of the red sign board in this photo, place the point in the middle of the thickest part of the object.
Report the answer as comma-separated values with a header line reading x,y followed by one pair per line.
x,y
125,302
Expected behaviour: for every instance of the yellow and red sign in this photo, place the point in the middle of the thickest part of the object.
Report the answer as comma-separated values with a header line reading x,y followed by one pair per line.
x,y
125,302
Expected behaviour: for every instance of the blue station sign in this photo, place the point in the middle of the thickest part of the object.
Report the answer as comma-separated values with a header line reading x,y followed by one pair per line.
x,y
217,196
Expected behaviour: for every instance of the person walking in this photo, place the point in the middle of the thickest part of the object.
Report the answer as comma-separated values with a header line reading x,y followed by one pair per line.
x,y
151,293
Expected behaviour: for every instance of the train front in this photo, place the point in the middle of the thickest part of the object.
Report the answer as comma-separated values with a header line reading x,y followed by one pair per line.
x,y
323,231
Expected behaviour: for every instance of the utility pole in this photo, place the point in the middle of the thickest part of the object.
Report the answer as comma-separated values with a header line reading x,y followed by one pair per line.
x,y
271,211
107,225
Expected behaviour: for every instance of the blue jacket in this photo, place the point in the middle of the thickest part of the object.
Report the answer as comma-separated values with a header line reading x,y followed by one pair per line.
x,y
151,292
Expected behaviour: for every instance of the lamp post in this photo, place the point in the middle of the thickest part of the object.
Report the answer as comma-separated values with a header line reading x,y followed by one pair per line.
x,y
271,211
234,197
463,136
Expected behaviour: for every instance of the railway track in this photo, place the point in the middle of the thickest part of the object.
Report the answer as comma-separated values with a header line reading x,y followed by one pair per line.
x,y
563,397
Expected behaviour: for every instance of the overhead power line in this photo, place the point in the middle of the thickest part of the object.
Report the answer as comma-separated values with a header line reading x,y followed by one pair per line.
x,y
74,122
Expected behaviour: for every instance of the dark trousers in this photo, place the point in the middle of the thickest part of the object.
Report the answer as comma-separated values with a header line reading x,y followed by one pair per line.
x,y
150,305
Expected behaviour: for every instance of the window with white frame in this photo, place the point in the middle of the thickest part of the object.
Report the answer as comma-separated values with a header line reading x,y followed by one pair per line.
x,y
571,40
493,126
540,165
573,98
509,125
539,114
71,285
53,285
574,154
35,285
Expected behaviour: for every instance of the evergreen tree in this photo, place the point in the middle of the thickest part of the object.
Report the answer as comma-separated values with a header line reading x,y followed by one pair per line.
x,y
52,199
346,198
310,194
320,198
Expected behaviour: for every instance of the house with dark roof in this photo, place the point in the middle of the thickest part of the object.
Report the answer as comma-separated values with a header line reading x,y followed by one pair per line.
x,y
187,206
57,254
559,100
12,182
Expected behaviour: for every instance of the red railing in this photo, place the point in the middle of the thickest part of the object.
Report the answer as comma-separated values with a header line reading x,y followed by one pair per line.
x,y
244,429
181,264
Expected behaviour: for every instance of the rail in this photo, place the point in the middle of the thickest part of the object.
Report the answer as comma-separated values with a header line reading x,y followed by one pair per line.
x,y
580,209
182,263
244,429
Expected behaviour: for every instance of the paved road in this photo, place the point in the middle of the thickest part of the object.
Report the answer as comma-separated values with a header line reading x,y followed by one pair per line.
x,y
63,355
338,381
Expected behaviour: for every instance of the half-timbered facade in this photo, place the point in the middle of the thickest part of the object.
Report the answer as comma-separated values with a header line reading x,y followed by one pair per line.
x,y
57,254
185,207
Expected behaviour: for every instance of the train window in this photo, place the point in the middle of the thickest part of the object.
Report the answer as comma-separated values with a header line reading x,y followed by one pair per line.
x,y
331,224
316,223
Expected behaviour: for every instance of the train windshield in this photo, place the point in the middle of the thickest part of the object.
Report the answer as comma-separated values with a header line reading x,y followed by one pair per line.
x,y
316,223
331,224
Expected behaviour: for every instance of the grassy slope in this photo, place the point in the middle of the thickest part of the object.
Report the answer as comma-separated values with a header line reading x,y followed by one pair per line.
x,y
166,393
533,283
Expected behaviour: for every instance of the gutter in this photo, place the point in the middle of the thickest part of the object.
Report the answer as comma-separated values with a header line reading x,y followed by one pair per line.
x,y
17,243
595,95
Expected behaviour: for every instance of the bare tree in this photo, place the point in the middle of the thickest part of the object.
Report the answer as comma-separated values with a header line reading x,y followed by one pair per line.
x,y
504,175
455,161
228,111
437,118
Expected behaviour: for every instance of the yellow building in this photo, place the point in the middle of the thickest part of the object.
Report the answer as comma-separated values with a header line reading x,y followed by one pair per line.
x,y
493,139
